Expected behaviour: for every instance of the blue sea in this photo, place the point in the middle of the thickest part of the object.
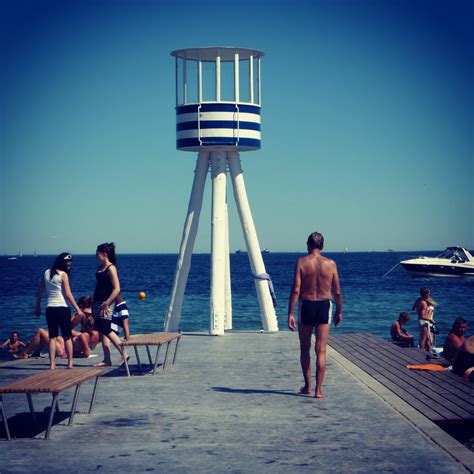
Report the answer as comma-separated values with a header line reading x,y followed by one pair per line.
x,y
371,302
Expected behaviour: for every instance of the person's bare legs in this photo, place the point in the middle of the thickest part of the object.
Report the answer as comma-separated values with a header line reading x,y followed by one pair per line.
x,y
69,352
82,345
40,339
322,333
304,333
52,353
106,350
425,339
111,337
116,342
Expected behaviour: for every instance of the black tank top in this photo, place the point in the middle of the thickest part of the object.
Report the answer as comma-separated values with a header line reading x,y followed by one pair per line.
x,y
103,287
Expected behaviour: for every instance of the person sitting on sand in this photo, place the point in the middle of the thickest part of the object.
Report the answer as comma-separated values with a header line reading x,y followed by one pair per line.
x,y
399,333
464,363
455,339
13,343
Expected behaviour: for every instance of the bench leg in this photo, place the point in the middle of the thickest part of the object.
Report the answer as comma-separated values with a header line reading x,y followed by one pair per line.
x,y
58,410
32,408
74,404
149,355
166,355
137,355
127,368
51,415
176,350
94,393
156,358
5,420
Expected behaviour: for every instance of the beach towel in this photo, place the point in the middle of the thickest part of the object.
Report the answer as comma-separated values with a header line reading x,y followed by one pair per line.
x,y
435,367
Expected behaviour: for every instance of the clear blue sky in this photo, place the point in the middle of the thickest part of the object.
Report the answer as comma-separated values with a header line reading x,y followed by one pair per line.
x,y
367,123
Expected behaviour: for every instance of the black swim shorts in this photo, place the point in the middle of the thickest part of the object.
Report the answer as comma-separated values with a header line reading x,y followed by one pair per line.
x,y
313,313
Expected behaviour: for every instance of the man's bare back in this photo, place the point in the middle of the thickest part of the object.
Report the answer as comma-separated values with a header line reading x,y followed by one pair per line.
x,y
317,273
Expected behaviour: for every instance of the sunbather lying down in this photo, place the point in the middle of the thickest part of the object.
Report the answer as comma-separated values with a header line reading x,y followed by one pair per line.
x,y
82,344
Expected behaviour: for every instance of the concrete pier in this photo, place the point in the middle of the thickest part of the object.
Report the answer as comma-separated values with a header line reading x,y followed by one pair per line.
x,y
231,404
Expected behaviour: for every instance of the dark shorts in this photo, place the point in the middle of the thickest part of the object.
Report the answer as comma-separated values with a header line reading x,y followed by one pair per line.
x,y
59,317
313,313
103,324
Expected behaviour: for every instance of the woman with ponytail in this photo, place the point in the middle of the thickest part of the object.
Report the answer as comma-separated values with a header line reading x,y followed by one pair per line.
x,y
106,291
58,314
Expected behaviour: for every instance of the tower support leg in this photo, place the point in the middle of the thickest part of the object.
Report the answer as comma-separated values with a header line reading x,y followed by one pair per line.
x,y
218,242
267,311
183,265
228,290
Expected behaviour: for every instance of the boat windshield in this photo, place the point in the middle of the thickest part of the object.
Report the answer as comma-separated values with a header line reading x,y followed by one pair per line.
x,y
454,254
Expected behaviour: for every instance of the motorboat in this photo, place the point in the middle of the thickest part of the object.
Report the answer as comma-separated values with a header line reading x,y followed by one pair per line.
x,y
454,261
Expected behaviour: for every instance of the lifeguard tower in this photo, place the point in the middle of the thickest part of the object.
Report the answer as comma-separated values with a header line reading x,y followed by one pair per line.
x,y
218,104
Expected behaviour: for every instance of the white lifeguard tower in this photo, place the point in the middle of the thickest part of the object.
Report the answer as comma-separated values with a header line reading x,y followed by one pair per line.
x,y
218,103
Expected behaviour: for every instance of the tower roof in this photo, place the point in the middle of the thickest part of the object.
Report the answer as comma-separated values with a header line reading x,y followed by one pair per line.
x,y
209,53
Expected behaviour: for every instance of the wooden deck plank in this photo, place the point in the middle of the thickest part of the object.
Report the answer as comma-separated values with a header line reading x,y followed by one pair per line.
x,y
405,356
435,412
435,394
413,401
410,355
440,388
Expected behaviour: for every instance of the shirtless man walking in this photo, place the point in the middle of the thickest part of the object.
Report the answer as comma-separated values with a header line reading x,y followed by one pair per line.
x,y
313,280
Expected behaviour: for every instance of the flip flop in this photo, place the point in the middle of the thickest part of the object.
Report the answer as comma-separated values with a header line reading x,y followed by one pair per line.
x,y
101,364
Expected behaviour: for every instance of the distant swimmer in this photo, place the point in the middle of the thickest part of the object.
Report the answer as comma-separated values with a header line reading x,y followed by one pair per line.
x,y
313,280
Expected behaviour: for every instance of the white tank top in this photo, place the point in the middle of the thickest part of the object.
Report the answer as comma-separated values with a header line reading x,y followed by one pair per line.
x,y
54,289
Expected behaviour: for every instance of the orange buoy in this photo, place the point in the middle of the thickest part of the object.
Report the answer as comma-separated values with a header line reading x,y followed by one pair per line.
x,y
142,295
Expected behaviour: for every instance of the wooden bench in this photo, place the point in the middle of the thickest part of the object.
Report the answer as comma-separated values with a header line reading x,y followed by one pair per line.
x,y
443,397
153,339
54,382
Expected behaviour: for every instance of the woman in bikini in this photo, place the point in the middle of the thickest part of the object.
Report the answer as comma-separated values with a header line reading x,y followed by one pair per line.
x,y
106,291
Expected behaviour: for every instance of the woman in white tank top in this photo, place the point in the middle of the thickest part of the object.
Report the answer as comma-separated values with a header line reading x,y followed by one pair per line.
x,y
58,314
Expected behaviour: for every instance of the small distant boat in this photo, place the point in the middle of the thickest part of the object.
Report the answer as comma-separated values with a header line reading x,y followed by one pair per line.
x,y
239,251
12,258
454,261
265,250
35,254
